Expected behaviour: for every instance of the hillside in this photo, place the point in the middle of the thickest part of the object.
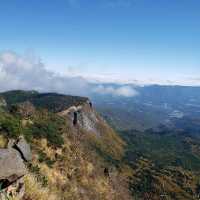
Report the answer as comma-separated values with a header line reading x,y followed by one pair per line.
x,y
161,127
75,154
57,147
51,101
165,162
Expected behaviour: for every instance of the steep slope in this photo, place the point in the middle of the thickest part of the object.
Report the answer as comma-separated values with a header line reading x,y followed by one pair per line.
x,y
75,154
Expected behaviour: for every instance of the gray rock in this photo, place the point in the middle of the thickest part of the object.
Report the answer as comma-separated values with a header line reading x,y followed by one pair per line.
x,y
24,149
12,166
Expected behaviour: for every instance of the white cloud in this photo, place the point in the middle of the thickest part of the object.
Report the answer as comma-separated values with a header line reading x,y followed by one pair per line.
x,y
125,91
24,72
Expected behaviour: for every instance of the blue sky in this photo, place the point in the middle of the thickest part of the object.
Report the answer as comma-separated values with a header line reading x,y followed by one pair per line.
x,y
128,39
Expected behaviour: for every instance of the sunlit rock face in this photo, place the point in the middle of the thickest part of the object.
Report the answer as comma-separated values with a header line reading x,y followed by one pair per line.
x,y
84,117
11,165
12,161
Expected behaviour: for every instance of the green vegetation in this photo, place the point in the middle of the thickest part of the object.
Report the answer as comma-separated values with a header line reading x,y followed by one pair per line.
x,y
44,158
46,128
164,149
9,125
35,169
51,101
165,163
18,96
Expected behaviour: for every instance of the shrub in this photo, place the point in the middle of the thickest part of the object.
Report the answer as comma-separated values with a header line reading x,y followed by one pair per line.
x,y
46,130
11,126
46,125
40,178
44,158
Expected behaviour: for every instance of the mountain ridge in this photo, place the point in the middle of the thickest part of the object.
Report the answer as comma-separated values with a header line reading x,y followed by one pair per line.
x,y
70,160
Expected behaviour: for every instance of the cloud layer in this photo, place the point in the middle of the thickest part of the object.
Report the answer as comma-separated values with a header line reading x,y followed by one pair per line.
x,y
125,91
27,72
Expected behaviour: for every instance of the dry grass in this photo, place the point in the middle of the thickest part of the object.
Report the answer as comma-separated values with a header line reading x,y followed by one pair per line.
x,y
34,190
3,141
76,175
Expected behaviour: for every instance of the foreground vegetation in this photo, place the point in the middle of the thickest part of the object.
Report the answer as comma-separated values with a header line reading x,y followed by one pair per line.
x,y
68,162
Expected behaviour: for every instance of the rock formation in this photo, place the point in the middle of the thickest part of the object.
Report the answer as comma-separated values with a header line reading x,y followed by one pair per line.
x,y
12,166
24,148
83,116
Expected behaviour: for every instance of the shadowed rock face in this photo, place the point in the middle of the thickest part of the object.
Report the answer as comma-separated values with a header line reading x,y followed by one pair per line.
x,y
75,120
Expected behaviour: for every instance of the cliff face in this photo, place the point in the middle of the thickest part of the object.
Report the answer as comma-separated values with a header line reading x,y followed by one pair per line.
x,y
75,154
84,117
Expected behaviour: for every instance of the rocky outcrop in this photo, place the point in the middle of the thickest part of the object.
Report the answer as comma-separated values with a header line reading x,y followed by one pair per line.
x,y
88,119
12,166
83,116
24,148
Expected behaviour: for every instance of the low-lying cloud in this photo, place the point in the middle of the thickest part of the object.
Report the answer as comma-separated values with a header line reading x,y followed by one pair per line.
x,y
125,91
29,73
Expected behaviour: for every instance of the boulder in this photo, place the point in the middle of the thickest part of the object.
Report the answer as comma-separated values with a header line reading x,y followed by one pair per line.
x,y
12,166
24,149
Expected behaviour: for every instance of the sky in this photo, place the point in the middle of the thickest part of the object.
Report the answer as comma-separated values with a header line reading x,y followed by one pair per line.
x,y
142,41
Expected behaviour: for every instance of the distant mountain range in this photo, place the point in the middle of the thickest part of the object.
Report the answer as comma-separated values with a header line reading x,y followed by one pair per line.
x,y
152,106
